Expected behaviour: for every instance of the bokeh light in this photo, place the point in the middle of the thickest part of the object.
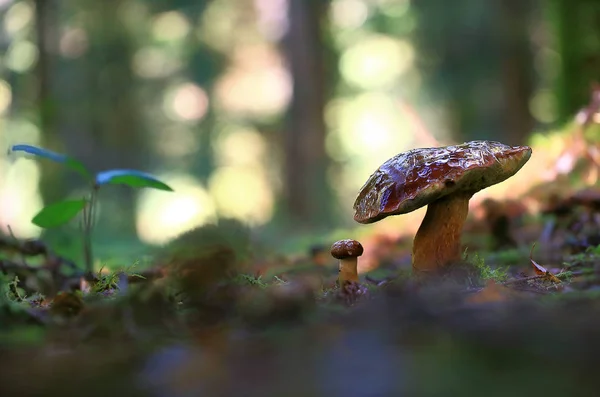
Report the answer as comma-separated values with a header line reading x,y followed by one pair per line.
x,y
224,26
18,17
257,83
21,56
243,193
348,14
163,216
188,102
175,141
154,62
240,147
272,18
367,127
543,106
19,197
5,96
171,25
73,43
376,61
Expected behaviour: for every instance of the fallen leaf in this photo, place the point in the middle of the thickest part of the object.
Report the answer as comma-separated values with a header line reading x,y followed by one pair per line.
x,y
541,270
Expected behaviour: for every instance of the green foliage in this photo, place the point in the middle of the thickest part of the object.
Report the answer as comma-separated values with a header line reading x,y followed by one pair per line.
x,y
110,281
131,178
70,162
14,292
248,279
498,274
11,295
58,213
591,254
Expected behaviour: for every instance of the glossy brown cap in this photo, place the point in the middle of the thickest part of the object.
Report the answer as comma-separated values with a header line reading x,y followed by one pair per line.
x,y
413,179
346,249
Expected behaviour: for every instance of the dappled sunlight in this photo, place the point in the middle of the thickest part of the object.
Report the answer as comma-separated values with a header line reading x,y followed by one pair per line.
x,y
73,43
349,14
19,130
21,56
542,106
376,61
18,17
257,83
187,102
154,62
394,8
176,141
240,185
239,147
5,96
366,128
224,25
272,18
169,26
543,166
19,197
162,216
243,193
134,14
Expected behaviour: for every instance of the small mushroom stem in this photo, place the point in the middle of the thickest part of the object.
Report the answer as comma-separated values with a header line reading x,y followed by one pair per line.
x,y
348,270
437,242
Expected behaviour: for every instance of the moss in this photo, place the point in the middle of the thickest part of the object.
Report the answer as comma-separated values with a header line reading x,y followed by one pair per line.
x,y
486,272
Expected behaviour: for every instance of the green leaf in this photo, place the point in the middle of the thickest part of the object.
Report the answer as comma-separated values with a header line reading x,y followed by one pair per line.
x,y
58,213
131,178
70,162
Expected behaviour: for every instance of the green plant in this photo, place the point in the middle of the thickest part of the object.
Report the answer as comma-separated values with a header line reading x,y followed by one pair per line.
x,y
248,279
487,273
61,212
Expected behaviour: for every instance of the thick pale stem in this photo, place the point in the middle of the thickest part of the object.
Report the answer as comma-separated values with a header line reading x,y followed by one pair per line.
x,y
437,242
348,270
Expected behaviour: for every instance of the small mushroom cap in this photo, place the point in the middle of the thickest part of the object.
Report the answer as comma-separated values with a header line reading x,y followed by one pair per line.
x,y
416,178
346,249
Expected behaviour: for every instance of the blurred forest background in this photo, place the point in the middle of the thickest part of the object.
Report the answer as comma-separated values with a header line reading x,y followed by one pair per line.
x,y
274,112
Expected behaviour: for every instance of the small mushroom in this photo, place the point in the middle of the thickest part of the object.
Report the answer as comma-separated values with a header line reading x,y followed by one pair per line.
x,y
444,179
347,251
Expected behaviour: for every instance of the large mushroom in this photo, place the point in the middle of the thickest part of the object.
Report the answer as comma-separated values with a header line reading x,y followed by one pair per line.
x,y
444,179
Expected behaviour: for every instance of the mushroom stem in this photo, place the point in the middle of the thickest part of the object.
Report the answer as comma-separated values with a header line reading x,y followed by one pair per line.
x,y
437,242
348,270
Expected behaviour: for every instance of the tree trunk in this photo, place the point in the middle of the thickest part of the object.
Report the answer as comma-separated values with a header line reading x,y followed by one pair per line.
x,y
118,140
307,196
516,70
52,185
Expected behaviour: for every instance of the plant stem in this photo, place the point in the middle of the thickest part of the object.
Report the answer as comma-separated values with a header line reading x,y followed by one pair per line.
x,y
88,219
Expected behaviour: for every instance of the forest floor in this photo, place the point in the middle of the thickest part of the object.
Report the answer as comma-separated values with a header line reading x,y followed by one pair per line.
x,y
213,317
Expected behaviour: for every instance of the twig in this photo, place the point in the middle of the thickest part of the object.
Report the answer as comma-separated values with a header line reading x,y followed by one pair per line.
x,y
538,276
517,280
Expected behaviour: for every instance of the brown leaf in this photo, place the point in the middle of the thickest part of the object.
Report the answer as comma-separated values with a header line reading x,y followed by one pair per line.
x,y
541,270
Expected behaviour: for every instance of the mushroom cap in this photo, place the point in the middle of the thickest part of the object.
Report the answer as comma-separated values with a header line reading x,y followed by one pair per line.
x,y
346,249
418,177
